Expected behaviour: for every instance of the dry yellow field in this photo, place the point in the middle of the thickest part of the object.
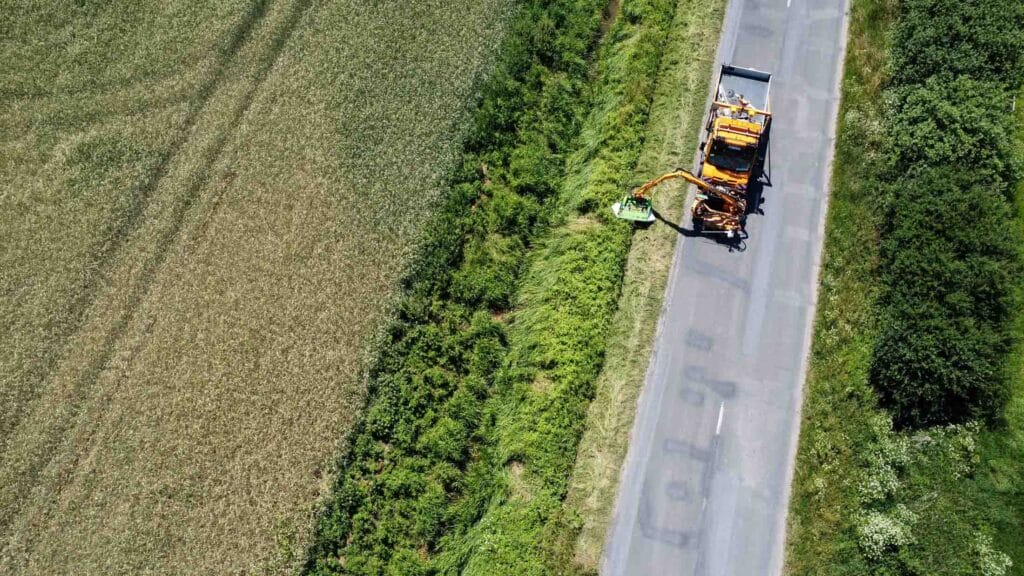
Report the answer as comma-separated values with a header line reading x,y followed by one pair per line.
x,y
204,209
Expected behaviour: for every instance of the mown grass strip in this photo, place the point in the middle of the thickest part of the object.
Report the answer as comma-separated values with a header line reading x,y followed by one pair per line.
x,y
672,133
1001,449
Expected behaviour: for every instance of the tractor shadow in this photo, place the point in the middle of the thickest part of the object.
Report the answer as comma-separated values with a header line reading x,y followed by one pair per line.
x,y
737,244
756,191
763,169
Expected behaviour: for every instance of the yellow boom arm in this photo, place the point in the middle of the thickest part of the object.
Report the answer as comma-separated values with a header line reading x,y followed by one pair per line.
x,y
717,207
642,191
728,197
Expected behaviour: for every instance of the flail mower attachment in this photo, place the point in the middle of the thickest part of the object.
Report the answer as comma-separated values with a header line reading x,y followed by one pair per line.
x,y
634,209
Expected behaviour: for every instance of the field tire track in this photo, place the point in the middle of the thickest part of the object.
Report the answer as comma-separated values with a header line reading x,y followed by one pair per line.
x,y
25,473
141,195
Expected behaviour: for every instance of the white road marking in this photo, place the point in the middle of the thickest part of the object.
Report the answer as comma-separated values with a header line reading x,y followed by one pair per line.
x,y
721,411
787,3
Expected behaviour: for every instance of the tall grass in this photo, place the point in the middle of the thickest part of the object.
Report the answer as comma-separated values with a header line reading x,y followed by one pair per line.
x,y
564,310
206,208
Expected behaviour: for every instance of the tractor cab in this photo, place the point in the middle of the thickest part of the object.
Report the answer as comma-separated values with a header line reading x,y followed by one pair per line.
x,y
729,163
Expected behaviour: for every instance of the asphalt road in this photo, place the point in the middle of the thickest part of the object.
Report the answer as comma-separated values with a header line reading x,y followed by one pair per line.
x,y
706,481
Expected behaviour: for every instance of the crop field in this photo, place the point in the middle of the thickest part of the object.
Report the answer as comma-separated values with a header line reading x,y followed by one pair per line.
x,y
204,210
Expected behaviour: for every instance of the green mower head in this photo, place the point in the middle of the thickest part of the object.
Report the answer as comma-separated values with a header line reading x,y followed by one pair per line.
x,y
634,209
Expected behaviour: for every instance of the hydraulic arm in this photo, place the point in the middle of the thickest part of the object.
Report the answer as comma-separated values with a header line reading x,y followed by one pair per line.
x,y
717,209
732,156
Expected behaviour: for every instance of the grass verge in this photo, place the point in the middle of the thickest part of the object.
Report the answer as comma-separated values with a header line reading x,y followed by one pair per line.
x,y
1002,449
671,138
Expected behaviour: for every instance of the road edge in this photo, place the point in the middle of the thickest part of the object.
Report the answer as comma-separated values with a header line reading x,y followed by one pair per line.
x,y
782,527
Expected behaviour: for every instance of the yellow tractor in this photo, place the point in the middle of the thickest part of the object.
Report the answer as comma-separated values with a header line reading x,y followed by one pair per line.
x,y
731,157
717,208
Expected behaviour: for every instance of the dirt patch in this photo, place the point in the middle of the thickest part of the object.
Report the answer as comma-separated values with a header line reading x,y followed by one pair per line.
x,y
610,14
519,490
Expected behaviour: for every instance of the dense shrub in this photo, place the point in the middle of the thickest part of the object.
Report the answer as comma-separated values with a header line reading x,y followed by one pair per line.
x,y
939,368
949,239
982,39
956,122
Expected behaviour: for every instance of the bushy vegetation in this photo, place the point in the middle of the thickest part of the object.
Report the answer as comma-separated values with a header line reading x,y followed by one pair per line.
x,y
947,260
479,396
918,296
953,38
949,245
205,211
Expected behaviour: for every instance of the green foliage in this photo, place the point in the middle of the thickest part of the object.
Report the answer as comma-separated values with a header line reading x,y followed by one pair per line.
x,y
948,263
949,244
931,517
488,277
982,39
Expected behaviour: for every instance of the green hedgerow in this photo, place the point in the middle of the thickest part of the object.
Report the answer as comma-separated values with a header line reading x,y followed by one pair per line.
x,y
949,241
